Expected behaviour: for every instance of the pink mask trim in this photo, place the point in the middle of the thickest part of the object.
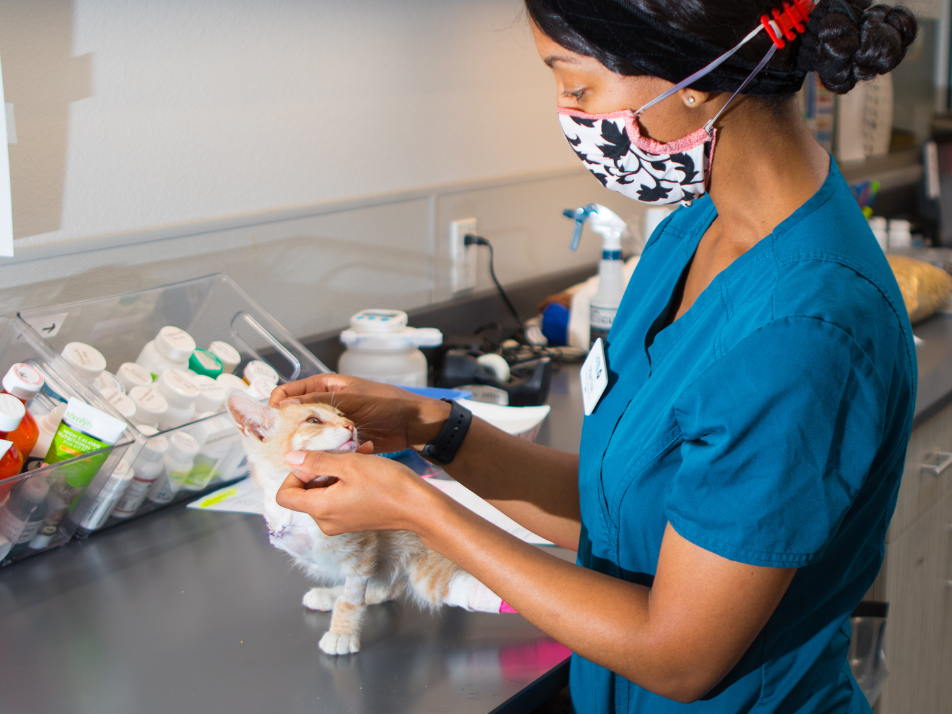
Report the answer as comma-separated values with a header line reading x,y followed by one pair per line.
x,y
645,143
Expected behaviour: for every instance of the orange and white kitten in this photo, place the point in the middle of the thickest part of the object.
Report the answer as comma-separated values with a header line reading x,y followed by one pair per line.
x,y
355,569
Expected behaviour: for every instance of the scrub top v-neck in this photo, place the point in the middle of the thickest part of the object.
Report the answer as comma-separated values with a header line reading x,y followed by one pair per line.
x,y
768,424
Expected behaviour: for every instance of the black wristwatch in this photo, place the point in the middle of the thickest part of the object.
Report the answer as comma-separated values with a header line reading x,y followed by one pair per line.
x,y
442,450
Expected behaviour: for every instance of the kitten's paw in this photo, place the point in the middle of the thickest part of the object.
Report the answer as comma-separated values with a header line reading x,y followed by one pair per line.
x,y
334,644
322,599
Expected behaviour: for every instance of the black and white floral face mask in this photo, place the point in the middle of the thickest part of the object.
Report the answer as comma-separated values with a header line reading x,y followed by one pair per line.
x,y
613,149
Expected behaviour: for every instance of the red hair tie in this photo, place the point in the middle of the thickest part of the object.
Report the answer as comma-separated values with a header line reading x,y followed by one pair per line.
x,y
787,23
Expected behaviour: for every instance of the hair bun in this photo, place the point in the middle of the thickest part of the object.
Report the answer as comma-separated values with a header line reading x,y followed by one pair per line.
x,y
848,41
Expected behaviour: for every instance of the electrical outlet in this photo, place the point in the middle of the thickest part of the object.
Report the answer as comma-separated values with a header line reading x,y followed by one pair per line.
x,y
462,257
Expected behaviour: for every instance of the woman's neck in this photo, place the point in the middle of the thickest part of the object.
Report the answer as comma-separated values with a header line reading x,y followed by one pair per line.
x,y
766,165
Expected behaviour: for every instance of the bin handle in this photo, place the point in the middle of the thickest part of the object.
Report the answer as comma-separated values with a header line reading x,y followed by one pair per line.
x,y
274,341
940,468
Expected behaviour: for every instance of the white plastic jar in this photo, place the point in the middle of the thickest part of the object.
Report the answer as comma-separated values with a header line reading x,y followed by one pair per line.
x,y
87,361
133,375
226,354
180,391
123,404
179,459
230,381
148,466
381,347
150,406
260,390
260,370
170,349
211,394
106,381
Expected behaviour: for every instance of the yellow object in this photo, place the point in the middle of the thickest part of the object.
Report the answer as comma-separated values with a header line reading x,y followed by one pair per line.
x,y
218,498
924,287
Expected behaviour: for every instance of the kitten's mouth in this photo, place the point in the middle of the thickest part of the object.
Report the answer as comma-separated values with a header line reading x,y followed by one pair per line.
x,y
346,448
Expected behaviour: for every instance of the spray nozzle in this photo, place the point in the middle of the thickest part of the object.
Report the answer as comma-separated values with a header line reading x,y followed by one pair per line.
x,y
602,220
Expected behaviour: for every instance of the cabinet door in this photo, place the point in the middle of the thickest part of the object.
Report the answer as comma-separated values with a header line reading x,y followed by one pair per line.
x,y
918,645
921,489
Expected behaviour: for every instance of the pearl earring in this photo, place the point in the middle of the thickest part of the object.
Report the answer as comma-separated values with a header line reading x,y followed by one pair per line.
x,y
690,100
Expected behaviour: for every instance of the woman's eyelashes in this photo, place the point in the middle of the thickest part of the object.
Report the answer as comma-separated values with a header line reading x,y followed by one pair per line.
x,y
575,94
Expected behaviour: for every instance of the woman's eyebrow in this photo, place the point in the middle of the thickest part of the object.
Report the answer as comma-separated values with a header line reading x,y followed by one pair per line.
x,y
552,59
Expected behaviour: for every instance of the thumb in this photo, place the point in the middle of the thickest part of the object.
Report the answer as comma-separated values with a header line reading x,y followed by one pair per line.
x,y
366,448
293,495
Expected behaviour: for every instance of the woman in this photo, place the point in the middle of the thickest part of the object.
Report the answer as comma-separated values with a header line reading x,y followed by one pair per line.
x,y
736,478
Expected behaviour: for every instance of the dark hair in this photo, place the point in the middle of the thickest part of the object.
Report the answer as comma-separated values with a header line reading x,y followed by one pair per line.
x,y
846,40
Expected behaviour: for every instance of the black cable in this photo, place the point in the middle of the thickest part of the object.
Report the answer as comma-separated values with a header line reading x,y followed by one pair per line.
x,y
470,239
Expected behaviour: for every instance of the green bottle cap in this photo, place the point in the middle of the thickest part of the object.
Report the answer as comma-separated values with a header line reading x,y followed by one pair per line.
x,y
205,363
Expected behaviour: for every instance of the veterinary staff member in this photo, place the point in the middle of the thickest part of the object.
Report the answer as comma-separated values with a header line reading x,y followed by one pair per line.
x,y
738,473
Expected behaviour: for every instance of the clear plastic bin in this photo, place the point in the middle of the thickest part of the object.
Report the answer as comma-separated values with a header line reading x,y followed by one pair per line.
x,y
209,309
55,520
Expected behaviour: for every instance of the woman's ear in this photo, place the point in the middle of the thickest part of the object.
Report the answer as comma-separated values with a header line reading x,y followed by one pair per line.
x,y
253,418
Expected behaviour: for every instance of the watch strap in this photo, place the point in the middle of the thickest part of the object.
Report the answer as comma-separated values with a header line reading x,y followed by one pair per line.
x,y
442,450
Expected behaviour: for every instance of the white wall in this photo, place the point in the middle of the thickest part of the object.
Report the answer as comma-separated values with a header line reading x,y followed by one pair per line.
x,y
174,111
313,150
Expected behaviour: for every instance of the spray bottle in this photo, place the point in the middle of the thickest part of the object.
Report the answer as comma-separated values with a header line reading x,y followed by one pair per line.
x,y
611,282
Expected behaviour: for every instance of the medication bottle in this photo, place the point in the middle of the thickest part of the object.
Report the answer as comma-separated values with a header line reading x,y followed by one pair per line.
x,y
132,375
119,480
217,436
87,361
211,395
383,348
47,426
150,406
53,391
170,349
107,380
149,465
22,515
260,370
123,404
11,460
23,382
205,363
179,459
226,354
180,391
230,381
260,390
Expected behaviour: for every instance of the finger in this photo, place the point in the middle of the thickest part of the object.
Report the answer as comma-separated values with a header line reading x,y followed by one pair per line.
x,y
366,448
317,383
293,495
308,465
332,397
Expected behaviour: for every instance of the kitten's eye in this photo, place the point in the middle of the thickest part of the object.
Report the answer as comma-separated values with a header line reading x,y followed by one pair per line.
x,y
314,420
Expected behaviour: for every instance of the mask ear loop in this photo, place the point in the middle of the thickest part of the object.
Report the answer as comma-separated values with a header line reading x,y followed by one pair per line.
x,y
705,71
709,127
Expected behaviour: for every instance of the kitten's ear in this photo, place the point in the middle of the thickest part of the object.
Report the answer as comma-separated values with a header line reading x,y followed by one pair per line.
x,y
253,418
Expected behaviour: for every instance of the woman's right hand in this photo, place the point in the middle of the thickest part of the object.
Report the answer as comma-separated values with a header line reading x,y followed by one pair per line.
x,y
393,418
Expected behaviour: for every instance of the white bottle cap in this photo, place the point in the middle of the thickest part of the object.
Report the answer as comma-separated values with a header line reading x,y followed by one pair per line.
x,y
123,404
211,394
182,446
52,420
260,390
86,360
230,381
174,344
150,405
107,380
12,412
35,489
227,355
260,370
23,381
132,376
178,387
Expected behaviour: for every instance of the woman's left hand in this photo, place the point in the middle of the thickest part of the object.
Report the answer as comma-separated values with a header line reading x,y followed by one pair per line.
x,y
363,493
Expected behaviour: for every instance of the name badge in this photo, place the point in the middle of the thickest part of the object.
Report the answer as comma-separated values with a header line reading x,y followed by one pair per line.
x,y
594,376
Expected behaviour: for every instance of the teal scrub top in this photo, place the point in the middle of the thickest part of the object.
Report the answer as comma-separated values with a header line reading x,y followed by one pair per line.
x,y
767,425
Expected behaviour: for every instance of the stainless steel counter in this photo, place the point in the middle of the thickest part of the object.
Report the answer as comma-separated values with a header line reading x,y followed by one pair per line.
x,y
185,611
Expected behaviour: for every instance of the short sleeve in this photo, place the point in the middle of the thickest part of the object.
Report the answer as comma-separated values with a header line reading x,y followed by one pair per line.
x,y
780,434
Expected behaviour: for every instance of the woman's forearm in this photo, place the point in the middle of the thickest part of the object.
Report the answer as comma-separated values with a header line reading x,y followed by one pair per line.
x,y
534,485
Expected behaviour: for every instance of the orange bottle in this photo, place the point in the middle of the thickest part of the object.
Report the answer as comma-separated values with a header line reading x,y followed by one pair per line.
x,y
23,382
11,460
